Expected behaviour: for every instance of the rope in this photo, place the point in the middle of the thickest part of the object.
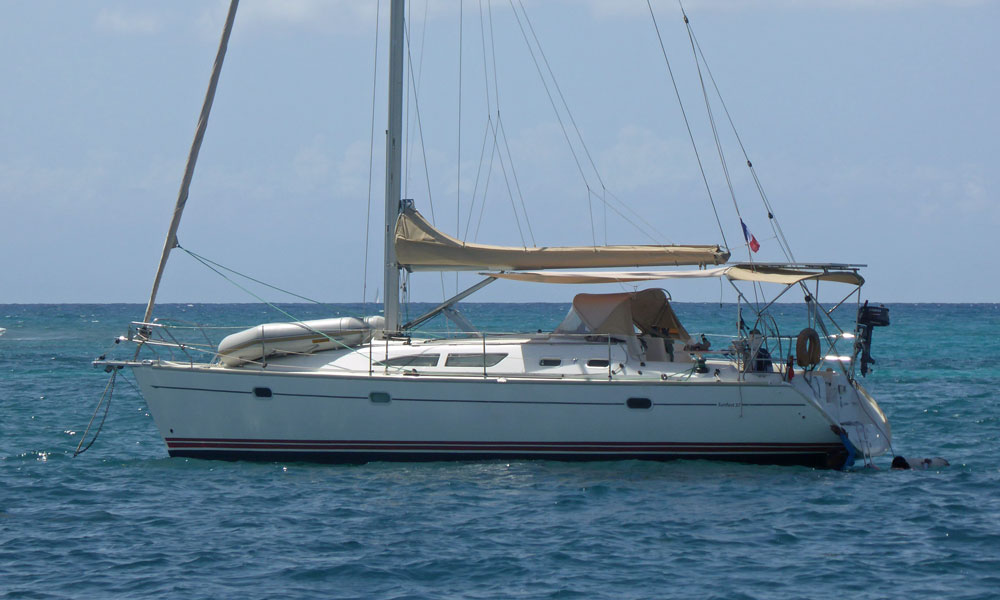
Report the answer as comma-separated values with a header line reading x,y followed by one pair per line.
x,y
108,392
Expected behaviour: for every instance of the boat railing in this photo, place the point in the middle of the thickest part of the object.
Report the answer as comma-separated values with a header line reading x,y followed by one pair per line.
x,y
192,343
170,338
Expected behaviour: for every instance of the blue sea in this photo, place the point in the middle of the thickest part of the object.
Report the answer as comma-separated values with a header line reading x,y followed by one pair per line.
x,y
125,521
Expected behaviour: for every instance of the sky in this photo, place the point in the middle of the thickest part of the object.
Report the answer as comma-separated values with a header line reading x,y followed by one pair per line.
x,y
872,127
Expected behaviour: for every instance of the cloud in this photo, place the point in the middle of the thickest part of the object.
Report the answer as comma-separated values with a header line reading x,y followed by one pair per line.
x,y
639,159
336,16
625,10
957,195
312,14
116,21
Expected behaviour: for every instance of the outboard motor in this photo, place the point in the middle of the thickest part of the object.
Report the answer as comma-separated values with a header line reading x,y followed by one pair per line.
x,y
869,317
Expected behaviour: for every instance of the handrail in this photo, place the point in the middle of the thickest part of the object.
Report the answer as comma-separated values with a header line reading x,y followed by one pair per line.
x,y
160,334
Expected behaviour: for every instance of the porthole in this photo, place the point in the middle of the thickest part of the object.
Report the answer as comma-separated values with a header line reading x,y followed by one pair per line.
x,y
639,403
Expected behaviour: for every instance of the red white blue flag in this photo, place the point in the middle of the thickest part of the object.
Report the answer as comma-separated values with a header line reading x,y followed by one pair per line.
x,y
751,240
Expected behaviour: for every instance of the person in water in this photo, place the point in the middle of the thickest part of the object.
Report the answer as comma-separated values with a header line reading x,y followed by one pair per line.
x,y
918,463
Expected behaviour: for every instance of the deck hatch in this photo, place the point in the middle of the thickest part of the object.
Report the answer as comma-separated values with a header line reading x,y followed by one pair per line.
x,y
474,360
413,360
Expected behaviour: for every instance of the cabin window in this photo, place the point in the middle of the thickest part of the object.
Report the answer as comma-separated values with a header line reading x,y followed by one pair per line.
x,y
413,360
639,403
550,362
474,360
598,362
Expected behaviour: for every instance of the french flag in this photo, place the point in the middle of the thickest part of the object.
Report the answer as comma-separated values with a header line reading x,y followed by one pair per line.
x,y
751,240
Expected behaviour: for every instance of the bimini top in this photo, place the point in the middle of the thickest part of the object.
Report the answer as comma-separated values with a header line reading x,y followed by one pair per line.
x,y
621,314
421,247
740,272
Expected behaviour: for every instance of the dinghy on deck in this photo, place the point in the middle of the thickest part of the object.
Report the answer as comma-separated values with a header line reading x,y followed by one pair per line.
x,y
301,337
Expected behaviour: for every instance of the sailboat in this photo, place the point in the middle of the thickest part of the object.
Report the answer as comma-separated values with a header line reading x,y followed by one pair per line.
x,y
619,378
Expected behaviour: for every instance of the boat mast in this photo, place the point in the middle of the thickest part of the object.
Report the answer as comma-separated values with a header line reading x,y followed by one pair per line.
x,y
393,164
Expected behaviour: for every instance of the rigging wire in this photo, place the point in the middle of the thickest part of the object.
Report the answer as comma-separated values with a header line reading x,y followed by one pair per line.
x,y
475,185
486,184
513,173
775,226
416,85
420,134
486,132
711,120
605,192
555,84
569,113
687,123
758,290
423,149
496,128
211,263
482,206
371,155
510,195
637,220
562,126
458,183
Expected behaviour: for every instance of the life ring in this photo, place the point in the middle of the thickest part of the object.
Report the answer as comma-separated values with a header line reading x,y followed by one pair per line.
x,y
807,348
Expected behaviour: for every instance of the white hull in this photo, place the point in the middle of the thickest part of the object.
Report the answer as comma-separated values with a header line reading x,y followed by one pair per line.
x,y
220,413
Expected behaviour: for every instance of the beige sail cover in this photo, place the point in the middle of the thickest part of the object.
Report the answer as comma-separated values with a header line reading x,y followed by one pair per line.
x,y
419,246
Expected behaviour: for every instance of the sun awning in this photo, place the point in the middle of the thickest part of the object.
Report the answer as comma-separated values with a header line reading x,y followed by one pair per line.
x,y
742,272
419,246
788,276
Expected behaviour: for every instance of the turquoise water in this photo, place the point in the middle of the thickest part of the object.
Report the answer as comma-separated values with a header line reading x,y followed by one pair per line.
x,y
123,520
